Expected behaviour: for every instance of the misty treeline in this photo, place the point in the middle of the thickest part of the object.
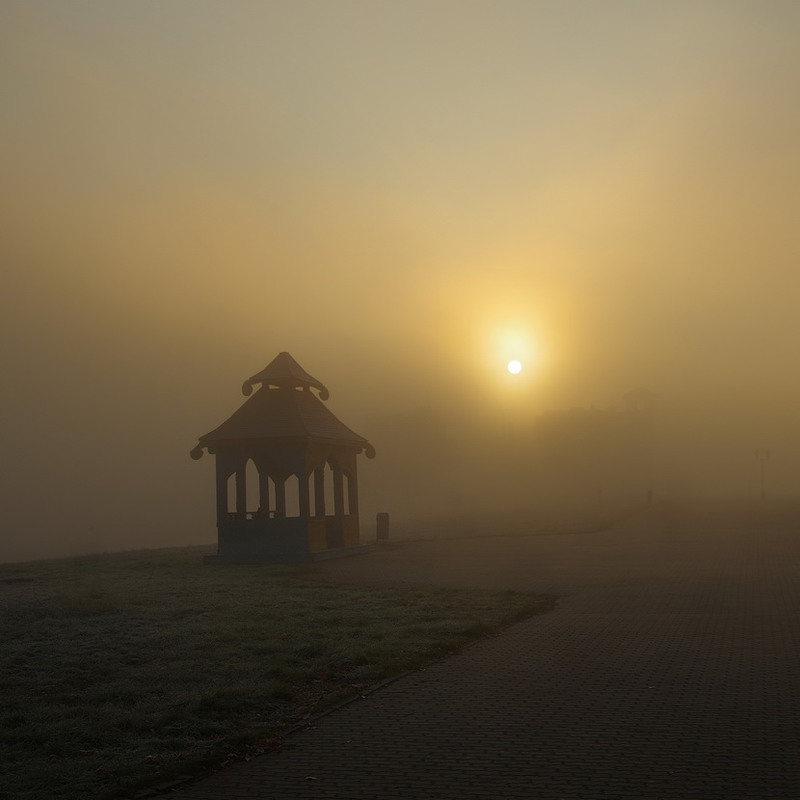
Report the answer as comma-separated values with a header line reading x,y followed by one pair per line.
x,y
558,464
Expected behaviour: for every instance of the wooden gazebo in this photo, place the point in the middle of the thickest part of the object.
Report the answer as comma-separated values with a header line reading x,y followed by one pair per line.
x,y
286,482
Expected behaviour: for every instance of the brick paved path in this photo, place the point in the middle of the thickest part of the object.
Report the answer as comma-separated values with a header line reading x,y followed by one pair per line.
x,y
670,669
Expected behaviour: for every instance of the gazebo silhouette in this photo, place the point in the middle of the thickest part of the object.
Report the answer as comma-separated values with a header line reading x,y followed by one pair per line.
x,y
286,480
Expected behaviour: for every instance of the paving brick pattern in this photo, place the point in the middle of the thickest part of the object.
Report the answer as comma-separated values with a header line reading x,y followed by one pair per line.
x,y
670,669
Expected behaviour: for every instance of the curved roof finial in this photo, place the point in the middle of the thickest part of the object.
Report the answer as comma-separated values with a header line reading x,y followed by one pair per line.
x,y
283,370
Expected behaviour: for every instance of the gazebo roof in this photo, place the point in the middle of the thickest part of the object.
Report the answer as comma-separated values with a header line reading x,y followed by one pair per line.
x,y
283,370
289,412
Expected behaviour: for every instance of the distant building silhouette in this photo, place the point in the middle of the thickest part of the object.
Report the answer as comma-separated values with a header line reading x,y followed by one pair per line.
x,y
597,457
286,478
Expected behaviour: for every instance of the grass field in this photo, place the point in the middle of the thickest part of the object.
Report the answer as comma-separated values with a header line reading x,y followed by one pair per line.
x,y
123,671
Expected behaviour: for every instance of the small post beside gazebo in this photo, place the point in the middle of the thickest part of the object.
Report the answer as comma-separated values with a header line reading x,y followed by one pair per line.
x,y
286,477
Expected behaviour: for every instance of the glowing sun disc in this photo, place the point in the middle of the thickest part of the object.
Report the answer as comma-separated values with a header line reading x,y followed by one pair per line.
x,y
514,367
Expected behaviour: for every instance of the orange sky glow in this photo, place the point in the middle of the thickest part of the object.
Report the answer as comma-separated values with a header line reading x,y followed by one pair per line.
x,y
405,196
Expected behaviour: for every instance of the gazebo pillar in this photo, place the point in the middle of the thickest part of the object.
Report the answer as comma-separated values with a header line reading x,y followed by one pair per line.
x,y
338,492
280,497
303,496
319,491
222,492
263,493
352,494
241,490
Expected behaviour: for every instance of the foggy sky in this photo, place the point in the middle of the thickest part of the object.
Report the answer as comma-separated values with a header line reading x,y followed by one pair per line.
x,y
403,195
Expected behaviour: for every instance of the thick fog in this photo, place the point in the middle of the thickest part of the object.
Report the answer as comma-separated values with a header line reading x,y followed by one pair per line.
x,y
405,196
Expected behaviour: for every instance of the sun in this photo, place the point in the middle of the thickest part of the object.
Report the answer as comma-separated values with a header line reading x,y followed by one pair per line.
x,y
514,367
